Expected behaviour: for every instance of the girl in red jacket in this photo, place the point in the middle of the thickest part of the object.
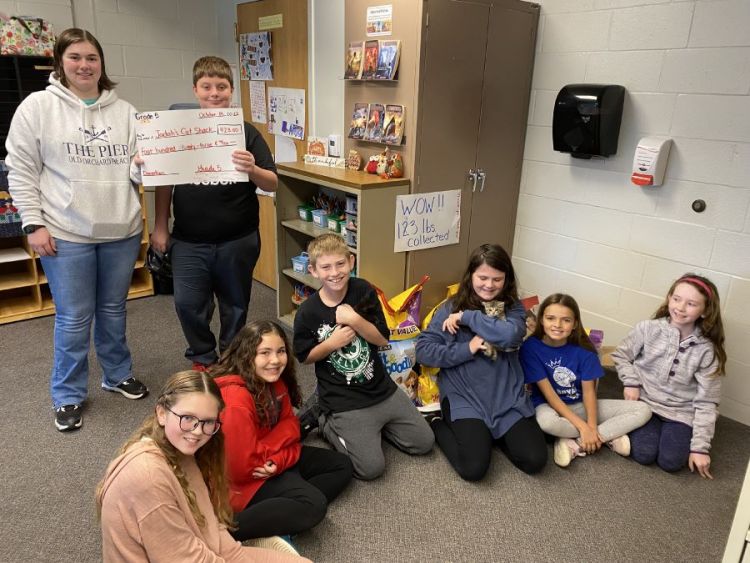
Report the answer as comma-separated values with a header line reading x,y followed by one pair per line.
x,y
277,485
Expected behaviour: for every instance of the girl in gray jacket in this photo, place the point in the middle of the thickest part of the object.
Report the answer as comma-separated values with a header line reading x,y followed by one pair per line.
x,y
673,363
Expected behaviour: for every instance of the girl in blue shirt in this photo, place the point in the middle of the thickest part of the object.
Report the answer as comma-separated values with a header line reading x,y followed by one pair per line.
x,y
562,364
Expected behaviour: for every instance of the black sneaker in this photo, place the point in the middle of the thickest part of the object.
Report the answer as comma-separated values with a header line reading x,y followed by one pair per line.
x,y
68,417
130,388
308,416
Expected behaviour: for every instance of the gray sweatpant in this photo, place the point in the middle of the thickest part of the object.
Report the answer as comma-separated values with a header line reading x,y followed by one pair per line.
x,y
357,433
616,418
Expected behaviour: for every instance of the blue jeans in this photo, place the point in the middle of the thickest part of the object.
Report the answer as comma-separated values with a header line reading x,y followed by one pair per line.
x,y
202,270
89,281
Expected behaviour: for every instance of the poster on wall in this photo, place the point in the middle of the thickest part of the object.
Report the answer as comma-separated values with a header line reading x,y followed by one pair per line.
x,y
286,112
379,20
190,146
427,220
258,101
255,56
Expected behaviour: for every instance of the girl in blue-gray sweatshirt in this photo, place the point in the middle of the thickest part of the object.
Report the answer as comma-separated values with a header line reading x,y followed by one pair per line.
x,y
474,339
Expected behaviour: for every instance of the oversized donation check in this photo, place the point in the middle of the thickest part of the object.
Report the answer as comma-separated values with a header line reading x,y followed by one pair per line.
x,y
190,146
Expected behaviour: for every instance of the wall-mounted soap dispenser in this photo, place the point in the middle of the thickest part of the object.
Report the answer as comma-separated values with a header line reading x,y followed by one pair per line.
x,y
650,161
586,119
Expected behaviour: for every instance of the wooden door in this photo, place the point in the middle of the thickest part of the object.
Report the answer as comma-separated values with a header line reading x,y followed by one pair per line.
x,y
450,97
511,40
289,56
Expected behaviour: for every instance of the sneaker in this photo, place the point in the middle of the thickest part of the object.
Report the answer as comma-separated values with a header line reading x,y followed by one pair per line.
x,y
566,449
68,417
197,366
130,388
274,543
308,416
431,417
620,446
432,407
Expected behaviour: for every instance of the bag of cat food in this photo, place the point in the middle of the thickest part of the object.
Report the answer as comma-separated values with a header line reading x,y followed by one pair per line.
x,y
428,393
399,355
402,311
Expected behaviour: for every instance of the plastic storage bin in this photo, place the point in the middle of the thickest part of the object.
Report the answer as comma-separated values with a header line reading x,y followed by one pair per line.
x,y
351,238
351,221
299,263
334,224
305,212
351,204
320,218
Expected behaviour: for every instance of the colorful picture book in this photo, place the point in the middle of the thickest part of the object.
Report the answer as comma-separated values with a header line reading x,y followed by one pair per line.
x,y
393,124
354,53
388,55
358,124
370,62
374,131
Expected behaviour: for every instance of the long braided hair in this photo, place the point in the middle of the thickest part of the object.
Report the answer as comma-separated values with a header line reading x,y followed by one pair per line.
x,y
209,458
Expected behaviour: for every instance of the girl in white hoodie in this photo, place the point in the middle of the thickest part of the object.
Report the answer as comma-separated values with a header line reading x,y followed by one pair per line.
x,y
70,149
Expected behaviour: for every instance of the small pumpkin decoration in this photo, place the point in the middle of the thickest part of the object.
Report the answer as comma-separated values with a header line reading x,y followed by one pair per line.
x,y
354,160
395,167
316,147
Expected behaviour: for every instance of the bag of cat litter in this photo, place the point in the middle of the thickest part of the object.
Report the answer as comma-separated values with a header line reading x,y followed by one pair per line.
x,y
402,316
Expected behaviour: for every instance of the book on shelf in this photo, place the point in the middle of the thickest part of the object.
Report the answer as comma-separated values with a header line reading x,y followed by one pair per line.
x,y
388,55
370,61
374,131
358,124
393,124
354,53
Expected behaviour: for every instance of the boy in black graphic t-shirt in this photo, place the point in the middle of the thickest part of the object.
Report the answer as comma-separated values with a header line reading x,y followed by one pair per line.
x,y
340,328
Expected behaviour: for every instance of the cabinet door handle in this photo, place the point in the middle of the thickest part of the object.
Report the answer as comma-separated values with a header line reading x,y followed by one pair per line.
x,y
472,177
481,175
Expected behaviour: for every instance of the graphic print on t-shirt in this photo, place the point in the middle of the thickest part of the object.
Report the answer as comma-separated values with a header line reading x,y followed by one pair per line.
x,y
564,378
353,360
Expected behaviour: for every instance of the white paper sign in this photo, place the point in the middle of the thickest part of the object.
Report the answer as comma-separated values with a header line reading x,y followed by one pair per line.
x,y
190,146
427,220
379,20
286,150
258,101
286,112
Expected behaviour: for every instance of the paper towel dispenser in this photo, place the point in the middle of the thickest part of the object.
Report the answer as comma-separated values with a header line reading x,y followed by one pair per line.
x,y
586,119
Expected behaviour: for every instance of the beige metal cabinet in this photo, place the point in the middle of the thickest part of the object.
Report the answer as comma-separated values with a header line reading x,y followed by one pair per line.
x,y
475,76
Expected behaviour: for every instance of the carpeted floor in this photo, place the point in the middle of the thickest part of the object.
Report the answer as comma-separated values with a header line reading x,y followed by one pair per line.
x,y
602,508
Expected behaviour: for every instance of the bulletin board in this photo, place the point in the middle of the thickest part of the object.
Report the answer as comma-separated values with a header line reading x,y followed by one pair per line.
x,y
289,54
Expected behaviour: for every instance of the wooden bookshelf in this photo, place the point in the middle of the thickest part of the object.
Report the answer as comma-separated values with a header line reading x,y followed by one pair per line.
x,y
376,206
24,291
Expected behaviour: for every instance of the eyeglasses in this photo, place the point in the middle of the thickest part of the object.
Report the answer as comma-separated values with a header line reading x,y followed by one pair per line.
x,y
188,423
